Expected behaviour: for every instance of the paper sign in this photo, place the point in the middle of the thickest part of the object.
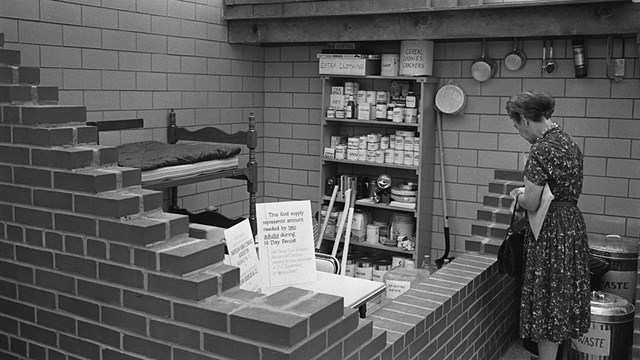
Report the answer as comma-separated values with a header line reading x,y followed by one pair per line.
x,y
596,342
242,253
286,243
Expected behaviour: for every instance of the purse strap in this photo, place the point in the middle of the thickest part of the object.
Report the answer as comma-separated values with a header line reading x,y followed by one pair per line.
x,y
513,213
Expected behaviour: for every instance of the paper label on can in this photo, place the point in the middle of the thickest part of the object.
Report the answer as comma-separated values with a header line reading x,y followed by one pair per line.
x,y
396,288
621,283
596,341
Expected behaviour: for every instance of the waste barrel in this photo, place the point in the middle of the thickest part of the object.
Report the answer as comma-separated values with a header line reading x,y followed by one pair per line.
x,y
622,255
597,268
610,335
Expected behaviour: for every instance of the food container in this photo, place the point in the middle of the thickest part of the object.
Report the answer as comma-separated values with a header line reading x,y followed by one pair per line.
x,y
364,268
380,267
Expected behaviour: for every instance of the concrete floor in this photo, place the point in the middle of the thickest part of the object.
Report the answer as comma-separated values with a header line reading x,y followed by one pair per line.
x,y
518,352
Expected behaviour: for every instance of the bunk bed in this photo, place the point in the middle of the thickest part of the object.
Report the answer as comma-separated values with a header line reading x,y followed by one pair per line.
x,y
191,156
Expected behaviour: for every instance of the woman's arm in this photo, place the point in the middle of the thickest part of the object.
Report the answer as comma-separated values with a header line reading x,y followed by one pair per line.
x,y
529,199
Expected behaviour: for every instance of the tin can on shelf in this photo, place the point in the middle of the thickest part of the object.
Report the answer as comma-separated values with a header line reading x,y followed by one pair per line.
x,y
350,269
349,88
373,233
364,268
331,113
341,152
380,267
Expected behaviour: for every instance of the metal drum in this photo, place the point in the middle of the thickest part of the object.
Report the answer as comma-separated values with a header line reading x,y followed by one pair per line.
x,y
610,336
622,256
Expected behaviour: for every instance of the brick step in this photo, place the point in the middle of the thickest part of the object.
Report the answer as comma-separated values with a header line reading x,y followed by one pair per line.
x,y
198,285
97,180
497,215
43,114
503,187
117,204
635,351
76,157
483,244
182,254
19,75
489,229
32,94
508,175
497,201
50,136
9,57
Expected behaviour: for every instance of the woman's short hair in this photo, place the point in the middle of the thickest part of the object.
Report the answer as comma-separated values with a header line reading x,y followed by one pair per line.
x,y
534,105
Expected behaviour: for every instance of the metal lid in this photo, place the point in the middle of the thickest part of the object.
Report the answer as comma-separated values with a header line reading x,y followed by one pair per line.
x,y
610,305
614,244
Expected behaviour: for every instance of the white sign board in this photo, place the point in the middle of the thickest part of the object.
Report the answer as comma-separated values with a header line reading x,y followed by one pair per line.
x,y
285,243
242,253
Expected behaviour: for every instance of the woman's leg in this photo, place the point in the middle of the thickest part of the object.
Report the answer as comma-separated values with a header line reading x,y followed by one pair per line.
x,y
547,350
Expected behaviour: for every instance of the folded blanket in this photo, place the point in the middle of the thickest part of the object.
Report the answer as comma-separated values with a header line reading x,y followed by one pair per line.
x,y
149,155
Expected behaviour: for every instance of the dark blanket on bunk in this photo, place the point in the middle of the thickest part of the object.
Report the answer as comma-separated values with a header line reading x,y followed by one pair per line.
x,y
149,155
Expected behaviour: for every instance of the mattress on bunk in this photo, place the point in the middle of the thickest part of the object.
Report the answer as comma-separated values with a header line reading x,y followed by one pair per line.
x,y
177,172
150,155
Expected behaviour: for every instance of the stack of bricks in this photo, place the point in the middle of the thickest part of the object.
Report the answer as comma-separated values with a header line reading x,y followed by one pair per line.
x,y
91,267
495,215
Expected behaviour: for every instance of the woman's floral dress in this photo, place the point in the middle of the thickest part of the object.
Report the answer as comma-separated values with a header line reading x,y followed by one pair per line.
x,y
556,282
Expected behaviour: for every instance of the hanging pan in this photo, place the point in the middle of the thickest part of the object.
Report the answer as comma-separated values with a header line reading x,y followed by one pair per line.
x,y
450,99
516,59
483,68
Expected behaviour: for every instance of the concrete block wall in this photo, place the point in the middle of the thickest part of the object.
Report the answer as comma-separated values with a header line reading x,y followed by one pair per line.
x,y
601,114
138,59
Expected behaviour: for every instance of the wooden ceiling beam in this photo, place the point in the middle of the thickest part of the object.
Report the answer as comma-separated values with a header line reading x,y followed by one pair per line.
x,y
539,21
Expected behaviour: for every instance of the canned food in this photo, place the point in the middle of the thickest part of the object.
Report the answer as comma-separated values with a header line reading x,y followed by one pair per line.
x,y
331,113
380,267
341,152
348,88
364,268
398,114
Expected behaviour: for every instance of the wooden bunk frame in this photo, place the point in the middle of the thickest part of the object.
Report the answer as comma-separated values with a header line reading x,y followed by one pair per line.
x,y
176,133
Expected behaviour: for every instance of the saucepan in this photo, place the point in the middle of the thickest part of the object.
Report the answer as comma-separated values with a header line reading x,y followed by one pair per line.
x,y
516,59
483,68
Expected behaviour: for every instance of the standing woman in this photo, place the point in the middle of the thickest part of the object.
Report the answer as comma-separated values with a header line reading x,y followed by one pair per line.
x,y
555,303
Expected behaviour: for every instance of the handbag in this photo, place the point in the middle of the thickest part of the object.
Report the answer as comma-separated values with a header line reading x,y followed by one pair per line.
x,y
511,252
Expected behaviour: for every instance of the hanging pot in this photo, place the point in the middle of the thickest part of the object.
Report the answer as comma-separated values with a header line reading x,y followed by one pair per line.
x,y
483,68
516,59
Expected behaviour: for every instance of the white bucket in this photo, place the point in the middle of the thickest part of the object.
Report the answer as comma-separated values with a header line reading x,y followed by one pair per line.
x,y
389,65
416,58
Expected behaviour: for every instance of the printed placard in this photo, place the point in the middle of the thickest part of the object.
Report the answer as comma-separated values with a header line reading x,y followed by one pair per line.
x,y
596,341
242,253
285,243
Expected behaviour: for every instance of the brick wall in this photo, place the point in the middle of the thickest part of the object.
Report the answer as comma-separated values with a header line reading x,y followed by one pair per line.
x,y
137,59
92,268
